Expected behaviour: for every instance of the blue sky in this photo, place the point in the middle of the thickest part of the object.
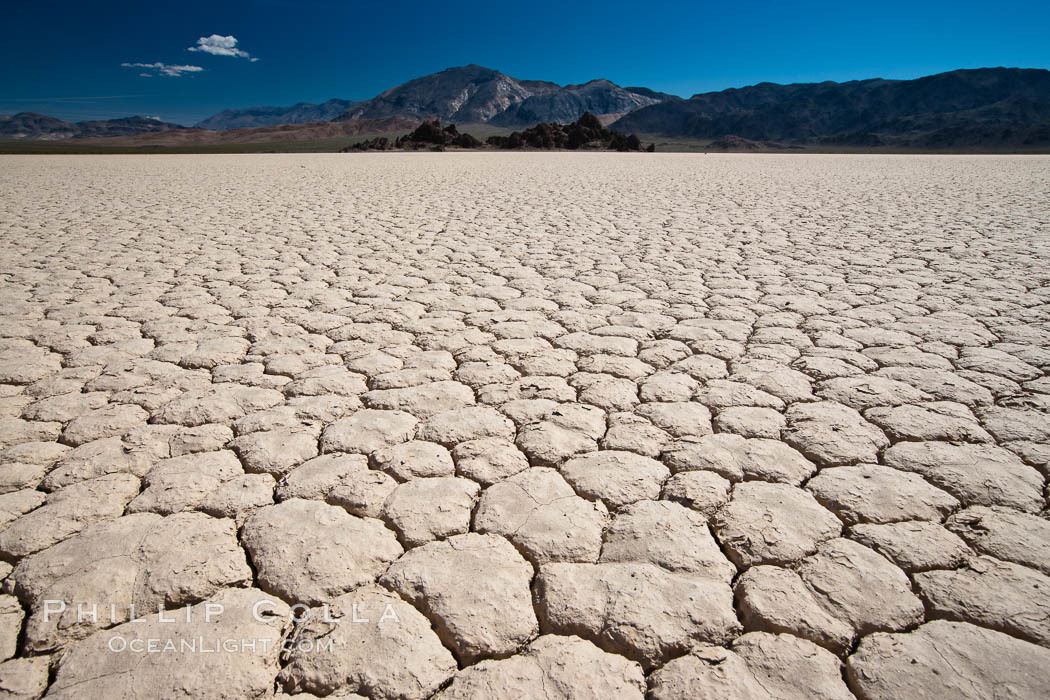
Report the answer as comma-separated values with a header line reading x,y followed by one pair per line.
x,y
66,58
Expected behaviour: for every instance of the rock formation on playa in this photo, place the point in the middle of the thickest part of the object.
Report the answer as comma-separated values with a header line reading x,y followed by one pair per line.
x,y
586,133
429,135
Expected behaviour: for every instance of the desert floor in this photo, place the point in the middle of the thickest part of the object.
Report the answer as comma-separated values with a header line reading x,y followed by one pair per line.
x,y
525,425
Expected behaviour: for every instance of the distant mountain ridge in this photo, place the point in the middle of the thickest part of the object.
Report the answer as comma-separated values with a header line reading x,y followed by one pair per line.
x,y
33,126
986,106
299,113
261,134
964,109
469,94
474,94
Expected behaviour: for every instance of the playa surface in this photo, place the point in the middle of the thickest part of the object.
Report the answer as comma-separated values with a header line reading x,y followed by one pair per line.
x,y
524,425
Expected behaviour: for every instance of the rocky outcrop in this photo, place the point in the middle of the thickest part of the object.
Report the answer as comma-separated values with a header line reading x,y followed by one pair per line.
x,y
586,132
429,135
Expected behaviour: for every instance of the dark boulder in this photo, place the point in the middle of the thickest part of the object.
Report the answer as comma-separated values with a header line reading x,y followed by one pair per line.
x,y
467,141
380,143
429,131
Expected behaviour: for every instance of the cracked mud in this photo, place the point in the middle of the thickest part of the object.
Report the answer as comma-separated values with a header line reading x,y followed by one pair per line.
x,y
556,425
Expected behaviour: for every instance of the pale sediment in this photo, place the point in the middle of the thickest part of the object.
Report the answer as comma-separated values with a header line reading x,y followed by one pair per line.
x,y
525,425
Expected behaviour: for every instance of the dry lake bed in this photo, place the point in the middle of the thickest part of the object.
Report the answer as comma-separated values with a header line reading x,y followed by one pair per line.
x,y
524,426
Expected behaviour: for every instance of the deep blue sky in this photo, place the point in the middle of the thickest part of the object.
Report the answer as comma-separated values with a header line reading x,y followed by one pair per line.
x,y
64,58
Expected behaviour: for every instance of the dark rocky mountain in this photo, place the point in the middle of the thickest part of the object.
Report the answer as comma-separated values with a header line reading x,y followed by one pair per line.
x,y
299,113
474,94
963,108
646,92
39,127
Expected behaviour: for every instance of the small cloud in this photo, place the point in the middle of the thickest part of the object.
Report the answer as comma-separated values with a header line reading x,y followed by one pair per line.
x,y
172,71
218,45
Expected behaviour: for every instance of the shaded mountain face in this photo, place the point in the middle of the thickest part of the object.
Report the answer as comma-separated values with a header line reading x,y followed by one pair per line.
x,y
988,106
299,113
646,92
570,102
128,126
38,127
474,94
30,125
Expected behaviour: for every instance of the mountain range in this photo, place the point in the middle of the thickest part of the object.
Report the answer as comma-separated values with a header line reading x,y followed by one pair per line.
x,y
310,131
31,126
986,107
475,94
299,113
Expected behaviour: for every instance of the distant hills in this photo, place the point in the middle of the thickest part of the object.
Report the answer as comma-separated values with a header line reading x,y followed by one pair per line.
x,y
963,108
33,126
270,116
991,108
309,131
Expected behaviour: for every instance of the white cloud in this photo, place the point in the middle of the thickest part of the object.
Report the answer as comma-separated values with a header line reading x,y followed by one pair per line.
x,y
218,45
172,71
